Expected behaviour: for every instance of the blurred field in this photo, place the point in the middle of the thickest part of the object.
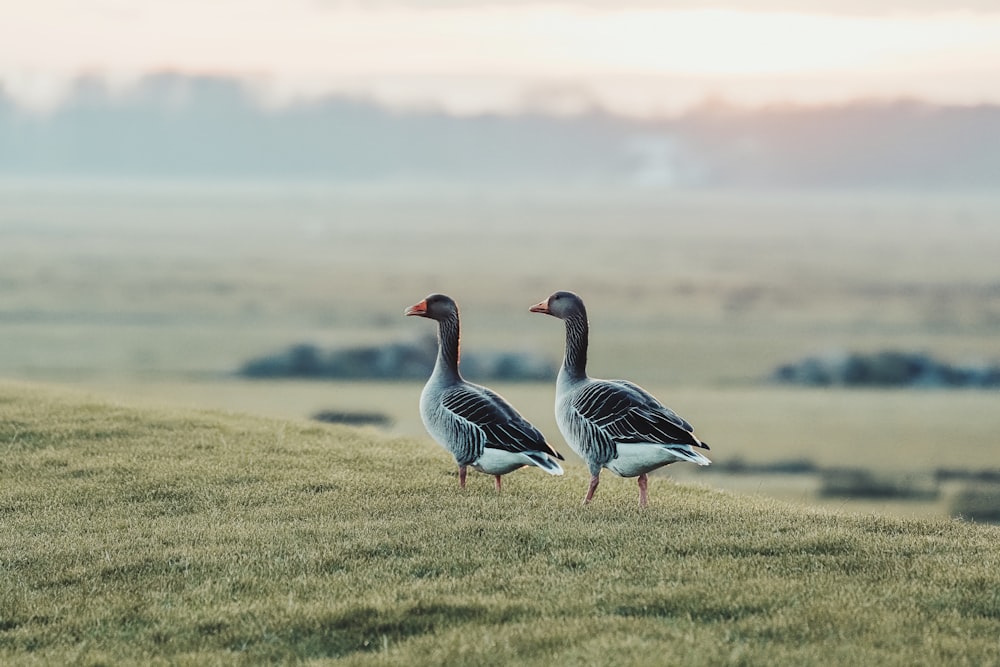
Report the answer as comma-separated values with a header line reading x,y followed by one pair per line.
x,y
161,292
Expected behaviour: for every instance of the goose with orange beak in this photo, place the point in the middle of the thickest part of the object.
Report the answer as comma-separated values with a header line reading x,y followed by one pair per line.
x,y
612,424
476,425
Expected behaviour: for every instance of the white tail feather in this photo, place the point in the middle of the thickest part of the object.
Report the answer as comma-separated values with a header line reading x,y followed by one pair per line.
x,y
545,463
686,453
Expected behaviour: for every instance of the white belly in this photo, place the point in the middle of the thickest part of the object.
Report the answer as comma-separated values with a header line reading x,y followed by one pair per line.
x,y
499,462
636,459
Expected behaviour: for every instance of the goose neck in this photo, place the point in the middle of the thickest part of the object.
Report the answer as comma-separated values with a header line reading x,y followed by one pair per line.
x,y
577,337
448,347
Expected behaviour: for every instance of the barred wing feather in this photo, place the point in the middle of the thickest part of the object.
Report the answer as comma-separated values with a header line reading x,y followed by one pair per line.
x,y
627,413
495,422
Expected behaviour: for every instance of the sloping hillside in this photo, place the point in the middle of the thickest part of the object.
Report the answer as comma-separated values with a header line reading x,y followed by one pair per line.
x,y
140,536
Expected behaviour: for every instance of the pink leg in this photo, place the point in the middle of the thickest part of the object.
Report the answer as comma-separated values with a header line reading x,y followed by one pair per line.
x,y
461,477
497,483
643,496
594,481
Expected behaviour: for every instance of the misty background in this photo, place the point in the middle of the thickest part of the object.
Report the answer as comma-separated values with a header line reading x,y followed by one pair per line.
x,y
191,127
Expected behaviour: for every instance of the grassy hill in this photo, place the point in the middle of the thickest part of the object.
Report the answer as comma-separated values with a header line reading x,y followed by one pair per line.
x,y
137,535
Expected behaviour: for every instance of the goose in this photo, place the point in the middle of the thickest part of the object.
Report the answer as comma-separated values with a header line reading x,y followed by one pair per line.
x,y
478,426
612,424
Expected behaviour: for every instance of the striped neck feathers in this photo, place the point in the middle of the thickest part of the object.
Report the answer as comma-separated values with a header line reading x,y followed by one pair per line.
x,y
448,346
577,339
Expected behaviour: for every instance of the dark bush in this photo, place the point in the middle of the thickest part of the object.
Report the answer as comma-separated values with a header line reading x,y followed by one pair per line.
x,y
302,360
739,466
888,368
950,474
979,502
393,361
859,483
353,418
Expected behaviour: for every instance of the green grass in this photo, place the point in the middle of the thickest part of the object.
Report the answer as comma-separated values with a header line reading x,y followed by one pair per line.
x,y
140,535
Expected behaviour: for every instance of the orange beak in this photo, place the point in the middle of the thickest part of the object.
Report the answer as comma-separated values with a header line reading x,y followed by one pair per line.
x,y
540,307
417,309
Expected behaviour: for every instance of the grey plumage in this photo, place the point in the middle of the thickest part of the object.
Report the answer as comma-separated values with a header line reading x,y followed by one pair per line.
x,y
477,425
612,424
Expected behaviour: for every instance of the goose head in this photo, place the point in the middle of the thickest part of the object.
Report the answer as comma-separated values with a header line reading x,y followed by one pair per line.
x,y
436,307
562,305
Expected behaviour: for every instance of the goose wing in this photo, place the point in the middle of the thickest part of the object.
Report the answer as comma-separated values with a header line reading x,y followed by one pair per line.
x,y
626,413
486,419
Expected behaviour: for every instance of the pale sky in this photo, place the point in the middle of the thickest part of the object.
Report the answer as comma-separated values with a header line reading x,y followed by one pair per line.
x,y
637,56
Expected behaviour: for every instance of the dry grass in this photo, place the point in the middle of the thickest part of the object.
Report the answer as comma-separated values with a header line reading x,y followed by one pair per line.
x,y
879,430
169,536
